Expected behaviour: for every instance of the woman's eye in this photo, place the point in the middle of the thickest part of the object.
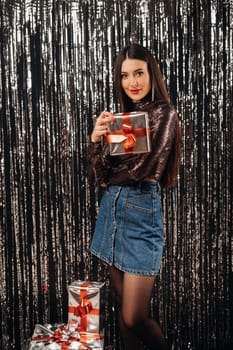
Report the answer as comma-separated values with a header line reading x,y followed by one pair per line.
x,y
139,73
123,76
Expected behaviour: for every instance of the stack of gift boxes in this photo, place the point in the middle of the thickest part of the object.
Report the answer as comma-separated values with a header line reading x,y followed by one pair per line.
x,y
84,330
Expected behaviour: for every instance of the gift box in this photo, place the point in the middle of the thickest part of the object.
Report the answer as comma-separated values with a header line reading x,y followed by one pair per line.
x,y
85,302
62,337
129,133
84,330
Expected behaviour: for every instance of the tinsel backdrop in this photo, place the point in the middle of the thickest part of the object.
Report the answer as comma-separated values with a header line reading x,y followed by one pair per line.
x,y
56,69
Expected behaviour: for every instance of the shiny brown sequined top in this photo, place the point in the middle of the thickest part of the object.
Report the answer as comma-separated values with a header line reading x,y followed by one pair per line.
x,y
128,169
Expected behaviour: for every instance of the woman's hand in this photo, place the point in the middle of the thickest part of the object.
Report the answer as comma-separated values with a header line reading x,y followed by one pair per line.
x,y
101,126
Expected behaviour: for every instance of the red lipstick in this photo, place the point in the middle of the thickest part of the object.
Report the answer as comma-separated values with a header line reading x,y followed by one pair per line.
x,y
136,91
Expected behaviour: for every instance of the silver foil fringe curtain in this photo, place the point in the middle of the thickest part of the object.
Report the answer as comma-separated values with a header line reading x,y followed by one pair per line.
x,y
56,76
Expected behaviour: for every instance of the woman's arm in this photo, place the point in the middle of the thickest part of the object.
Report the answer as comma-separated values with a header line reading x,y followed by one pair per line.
x,y
99,161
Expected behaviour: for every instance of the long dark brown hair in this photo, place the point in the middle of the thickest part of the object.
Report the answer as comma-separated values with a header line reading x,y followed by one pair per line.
x,y
158,92
158,87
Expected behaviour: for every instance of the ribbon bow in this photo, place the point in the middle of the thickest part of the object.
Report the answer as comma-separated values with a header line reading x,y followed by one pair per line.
x,y
60,336
83,308
130,139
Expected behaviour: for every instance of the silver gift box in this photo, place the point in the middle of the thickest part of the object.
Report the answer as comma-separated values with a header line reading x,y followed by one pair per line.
x,y
129,134
86,301
60,336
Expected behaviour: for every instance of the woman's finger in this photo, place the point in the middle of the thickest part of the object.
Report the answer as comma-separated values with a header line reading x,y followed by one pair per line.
x,y
104,118
101,125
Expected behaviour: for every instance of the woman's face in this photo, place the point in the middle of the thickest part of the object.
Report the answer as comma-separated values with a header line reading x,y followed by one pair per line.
x,y
135,79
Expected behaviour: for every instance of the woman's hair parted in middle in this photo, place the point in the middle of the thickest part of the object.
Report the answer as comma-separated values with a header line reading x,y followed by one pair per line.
x,y
158,87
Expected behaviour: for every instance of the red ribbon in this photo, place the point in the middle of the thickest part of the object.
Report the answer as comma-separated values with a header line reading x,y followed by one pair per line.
x,y
129,133
57,338
85,336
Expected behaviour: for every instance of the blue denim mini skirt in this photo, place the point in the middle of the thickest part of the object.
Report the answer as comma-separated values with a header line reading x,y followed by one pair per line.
x,y
129,228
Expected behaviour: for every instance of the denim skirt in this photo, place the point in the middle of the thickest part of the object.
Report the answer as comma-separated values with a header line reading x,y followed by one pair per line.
x,y
129,228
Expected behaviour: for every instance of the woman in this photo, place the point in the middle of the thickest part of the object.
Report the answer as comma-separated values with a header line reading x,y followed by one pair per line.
x,y
129,229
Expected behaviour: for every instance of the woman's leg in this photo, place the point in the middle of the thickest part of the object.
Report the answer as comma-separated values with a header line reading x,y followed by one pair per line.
x,y
133,294
129,338
136,296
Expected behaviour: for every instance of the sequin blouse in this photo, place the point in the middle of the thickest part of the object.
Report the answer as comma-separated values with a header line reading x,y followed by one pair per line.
x,y
129,169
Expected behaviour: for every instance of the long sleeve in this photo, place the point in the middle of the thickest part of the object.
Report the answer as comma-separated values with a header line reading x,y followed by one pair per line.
x,y
99,162
163,126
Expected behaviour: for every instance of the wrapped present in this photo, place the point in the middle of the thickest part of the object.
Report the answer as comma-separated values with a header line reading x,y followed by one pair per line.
x,y
129,133
61,337
85,299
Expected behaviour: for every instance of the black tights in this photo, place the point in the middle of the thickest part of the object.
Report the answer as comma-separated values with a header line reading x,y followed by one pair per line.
x,y
133,293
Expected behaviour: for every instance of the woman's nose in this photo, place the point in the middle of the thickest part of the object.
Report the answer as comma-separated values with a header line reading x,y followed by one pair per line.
x,y
133,81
